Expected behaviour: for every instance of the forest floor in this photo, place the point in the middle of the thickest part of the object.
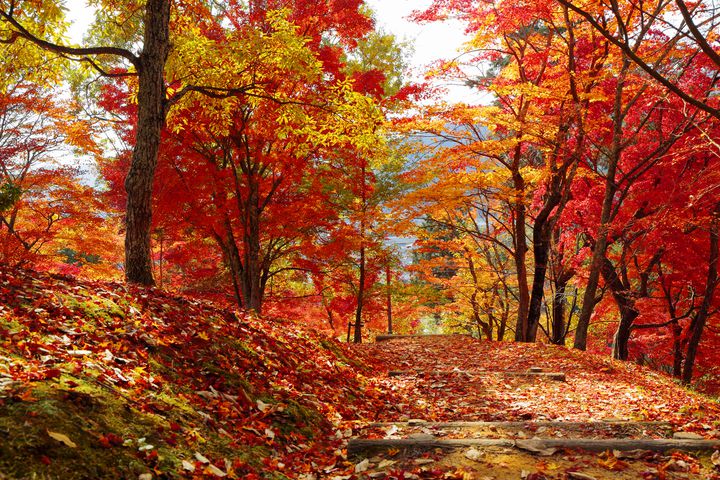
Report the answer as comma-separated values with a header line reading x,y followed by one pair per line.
x,y
100,380
465,391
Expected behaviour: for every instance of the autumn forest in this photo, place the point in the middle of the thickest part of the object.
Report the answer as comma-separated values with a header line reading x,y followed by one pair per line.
x,y
278,159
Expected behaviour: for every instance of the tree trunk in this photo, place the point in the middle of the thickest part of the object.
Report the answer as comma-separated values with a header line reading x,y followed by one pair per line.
x,y
626,304
357,338
698,324
628,314
557,336
606,216
151,119
520,255
541,251
389,299
233,261
677,349
252,278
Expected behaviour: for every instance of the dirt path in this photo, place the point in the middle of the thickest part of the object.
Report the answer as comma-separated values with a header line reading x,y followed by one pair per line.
x,y
484,410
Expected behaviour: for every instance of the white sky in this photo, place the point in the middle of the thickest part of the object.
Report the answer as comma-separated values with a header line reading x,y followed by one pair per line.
x,y
431,42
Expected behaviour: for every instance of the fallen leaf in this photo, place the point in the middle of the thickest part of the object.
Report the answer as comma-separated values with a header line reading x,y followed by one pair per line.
x,y
188,466
215,471
62,438
262,406
535,445
612,463
473,454
580,476
201,458
386,463
362,466
632,454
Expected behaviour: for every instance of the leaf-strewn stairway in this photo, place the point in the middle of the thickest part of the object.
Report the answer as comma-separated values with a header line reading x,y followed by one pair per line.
x,y
497,410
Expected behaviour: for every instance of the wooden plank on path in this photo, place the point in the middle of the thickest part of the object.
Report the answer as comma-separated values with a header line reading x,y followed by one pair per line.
x,y
558,376
596,445
385,338
528,424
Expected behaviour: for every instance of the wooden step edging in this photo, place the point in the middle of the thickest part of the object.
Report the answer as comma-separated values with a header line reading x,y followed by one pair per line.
x,y
558,376
526,424
356,446
385,338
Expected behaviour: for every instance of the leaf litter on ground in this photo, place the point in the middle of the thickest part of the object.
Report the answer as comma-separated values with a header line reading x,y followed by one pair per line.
x,y
141,381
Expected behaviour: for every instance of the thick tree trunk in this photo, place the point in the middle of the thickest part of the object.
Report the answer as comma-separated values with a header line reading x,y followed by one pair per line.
x,y
626,304
151,119
628,314
698,324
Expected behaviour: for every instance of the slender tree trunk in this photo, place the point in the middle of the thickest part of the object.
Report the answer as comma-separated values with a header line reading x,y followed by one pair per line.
x,y
151,119
501,328
252,277
520,256
541,251
231,255
677,349
557,337
330,317
357,338
388,277
484,328
698,324
601,239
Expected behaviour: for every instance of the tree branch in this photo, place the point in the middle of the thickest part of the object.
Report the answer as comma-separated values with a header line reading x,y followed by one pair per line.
x,y
23,32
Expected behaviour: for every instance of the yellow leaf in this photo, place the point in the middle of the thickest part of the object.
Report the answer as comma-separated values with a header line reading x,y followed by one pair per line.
x,y
62,438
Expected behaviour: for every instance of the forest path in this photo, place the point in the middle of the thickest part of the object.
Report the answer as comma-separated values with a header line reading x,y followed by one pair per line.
x,y
491,410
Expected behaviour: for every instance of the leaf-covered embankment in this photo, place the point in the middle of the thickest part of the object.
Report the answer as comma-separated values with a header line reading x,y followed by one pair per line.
x,y
101,380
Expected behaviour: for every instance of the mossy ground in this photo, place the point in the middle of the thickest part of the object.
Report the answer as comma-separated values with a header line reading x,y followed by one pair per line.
x,y
143,384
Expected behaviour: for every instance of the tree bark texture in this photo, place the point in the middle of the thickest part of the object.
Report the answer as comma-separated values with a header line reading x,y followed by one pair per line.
x,y
601,240
151,119
557,335
357,337
698,323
